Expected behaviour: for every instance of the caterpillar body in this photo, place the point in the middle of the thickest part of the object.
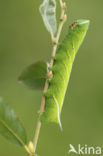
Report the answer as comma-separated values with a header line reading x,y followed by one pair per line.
x,y
61,70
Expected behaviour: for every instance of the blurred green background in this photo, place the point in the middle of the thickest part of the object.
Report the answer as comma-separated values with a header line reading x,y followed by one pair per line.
x,y
24,40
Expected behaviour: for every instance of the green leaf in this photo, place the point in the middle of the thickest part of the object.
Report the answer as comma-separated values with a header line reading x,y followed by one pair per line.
x,y
34,76
62,67
10,126
48,12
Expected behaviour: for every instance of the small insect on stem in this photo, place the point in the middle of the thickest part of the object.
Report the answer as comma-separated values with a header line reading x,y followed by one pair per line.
x,y
73,25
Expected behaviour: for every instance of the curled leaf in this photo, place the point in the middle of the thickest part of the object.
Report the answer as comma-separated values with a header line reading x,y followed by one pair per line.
x,y
48,13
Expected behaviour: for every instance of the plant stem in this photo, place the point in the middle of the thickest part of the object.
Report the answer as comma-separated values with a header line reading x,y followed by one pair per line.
x,y
55,44
55,41
27,150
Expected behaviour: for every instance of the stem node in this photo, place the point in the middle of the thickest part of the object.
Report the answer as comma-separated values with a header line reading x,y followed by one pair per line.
x,y
63,5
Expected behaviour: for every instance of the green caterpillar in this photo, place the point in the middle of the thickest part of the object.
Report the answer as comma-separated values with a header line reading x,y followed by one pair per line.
x,y
61,69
